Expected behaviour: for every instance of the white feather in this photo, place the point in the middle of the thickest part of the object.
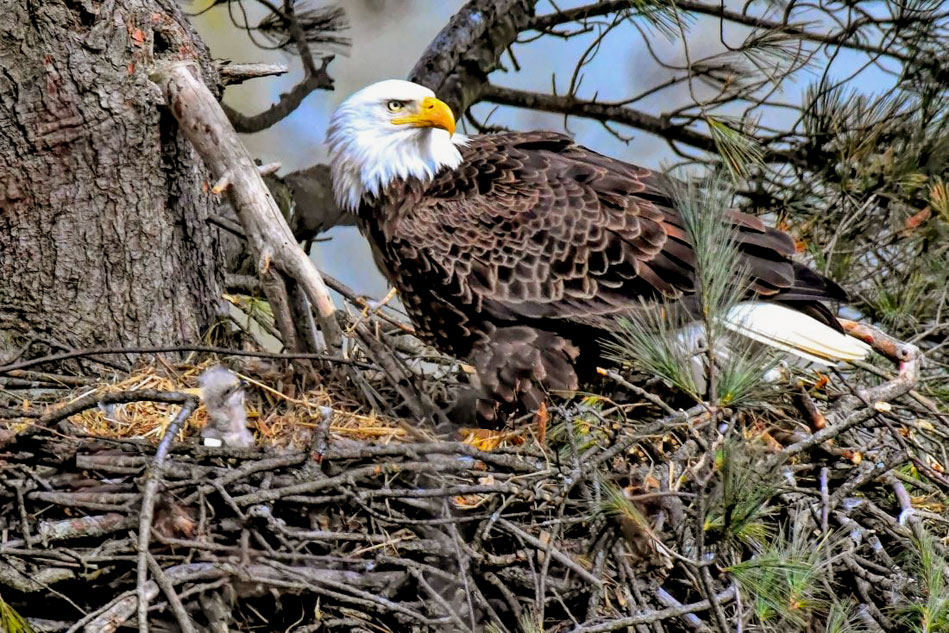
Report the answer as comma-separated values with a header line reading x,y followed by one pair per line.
x,y
794,332
368,151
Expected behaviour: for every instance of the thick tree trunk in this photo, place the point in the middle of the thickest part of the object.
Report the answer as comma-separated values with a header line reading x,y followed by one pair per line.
x,y
104,238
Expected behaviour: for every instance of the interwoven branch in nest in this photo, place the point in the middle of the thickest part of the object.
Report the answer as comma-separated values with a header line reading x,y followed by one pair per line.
x,y
612,524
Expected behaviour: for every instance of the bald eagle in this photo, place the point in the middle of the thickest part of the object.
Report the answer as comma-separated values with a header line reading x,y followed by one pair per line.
x,y
518,252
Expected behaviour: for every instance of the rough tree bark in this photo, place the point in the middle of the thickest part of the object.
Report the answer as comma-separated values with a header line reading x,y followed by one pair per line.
x,y
104,238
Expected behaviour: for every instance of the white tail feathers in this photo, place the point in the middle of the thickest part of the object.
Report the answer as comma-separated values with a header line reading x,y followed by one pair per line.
x,y
794,332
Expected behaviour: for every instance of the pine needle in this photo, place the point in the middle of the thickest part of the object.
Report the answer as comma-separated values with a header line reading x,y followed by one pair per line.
x,y
659,340
11,621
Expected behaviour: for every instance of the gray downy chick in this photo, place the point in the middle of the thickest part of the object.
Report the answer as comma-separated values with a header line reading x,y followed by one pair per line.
x,y
223,397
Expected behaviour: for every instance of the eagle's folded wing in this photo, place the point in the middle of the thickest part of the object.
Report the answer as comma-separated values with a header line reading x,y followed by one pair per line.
x,y
533,226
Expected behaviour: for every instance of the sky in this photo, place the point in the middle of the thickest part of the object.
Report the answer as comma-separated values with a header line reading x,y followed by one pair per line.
x,y
388,36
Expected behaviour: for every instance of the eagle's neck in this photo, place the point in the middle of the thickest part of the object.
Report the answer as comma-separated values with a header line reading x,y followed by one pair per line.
x,y
365,165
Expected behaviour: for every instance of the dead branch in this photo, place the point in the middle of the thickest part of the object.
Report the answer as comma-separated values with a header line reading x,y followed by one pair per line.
x,y
657,616
174,349
845,415
154,478
285,20
271,241
289,101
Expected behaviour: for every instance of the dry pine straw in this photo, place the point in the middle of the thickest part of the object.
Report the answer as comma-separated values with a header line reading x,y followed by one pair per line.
x,y
277,419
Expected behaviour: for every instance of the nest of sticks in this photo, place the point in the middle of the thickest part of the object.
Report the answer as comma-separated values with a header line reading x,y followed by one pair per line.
x,y
821,511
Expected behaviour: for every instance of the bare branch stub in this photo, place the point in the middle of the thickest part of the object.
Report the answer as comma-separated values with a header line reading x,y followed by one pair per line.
x,y
314,209
233,74
206,126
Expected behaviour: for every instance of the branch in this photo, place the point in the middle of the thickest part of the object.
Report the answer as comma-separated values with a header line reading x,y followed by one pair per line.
x,y
567,104
906,356
95,399
314,210
109,620
844,39
559,556
154,478
314,78
289,101
204,123
844,415
174,349
174,600
457,62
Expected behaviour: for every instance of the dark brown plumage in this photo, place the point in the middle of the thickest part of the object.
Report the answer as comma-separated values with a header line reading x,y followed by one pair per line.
x,y
521,259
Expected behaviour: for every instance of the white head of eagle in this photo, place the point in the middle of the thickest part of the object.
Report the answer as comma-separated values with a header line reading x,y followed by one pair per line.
x,y
389,130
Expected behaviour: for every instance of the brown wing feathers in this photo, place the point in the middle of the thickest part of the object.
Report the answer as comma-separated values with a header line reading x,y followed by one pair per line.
x,y
541,228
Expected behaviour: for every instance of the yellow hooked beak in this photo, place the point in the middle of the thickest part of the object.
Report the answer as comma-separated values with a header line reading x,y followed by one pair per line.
x,y
432,113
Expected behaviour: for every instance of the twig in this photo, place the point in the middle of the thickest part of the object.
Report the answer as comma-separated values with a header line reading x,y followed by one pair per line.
x,y
639,391
665,598
184,620
656,616
122,397
559,556
153,479
599,111
83,527
116,612
907,357
173,349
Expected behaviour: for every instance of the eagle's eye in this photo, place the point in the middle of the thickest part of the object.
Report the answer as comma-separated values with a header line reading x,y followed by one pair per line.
x,y
394,105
